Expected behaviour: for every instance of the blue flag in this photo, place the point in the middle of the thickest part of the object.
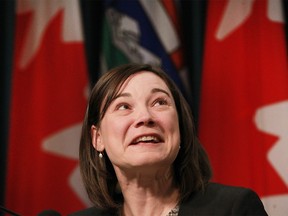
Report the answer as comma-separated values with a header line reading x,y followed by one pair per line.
x,y
143,32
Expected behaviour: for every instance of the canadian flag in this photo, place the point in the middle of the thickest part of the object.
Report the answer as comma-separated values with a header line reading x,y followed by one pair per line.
x,y
49,96
244,100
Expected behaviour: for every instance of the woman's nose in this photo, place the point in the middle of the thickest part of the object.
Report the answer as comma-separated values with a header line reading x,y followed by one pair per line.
x,y
144,117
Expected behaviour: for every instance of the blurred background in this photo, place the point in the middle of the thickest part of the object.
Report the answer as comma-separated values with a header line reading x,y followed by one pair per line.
x,y
228,57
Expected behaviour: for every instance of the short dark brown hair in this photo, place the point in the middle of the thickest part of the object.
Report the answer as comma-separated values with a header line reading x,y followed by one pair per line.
x,y
191,167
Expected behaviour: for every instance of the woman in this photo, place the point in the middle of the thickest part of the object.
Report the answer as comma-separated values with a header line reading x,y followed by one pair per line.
x,y
139,154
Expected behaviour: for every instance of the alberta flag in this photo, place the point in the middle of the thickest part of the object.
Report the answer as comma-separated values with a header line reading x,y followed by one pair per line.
x,y
143,32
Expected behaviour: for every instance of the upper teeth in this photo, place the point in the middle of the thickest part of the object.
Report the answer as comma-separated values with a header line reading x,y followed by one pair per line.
x,y
147,138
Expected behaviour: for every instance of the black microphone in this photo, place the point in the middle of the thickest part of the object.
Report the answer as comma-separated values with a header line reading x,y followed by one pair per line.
x,y
49,212
9,211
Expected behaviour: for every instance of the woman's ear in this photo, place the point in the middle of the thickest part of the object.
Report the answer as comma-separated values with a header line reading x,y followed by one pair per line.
x,y
96,139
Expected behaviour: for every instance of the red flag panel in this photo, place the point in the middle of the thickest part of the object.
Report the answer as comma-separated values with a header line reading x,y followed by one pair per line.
x,y
244,89
48,104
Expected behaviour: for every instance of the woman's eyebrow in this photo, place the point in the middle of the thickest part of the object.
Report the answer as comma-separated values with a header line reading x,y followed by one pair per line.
x,y
155,90
124,94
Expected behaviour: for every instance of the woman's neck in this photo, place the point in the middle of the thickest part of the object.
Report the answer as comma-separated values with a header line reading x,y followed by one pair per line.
x,y
148,193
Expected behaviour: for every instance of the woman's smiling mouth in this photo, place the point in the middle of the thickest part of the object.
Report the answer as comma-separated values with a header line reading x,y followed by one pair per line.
x,y
146,139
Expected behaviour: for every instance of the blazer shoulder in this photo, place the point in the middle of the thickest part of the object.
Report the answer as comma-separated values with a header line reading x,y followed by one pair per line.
x,y
92,211
218,199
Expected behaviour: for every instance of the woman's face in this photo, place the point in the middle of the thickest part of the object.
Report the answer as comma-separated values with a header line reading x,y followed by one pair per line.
x,y
140,127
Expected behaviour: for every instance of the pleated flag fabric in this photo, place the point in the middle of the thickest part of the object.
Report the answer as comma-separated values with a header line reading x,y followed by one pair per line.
x,y
244,100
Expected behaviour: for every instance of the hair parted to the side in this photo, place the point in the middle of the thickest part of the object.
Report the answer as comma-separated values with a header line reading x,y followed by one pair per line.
x,y
192,169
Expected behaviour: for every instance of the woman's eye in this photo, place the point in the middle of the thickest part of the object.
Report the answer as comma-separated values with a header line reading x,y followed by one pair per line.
x,y
160,102
122,107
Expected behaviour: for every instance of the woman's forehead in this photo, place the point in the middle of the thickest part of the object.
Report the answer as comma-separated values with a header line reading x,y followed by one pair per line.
x,y
143,79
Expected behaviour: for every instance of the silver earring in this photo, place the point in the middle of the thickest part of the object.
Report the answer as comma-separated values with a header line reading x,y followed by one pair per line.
x,y
100,155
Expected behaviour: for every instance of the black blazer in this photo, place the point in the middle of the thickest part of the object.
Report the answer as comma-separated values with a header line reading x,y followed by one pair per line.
x,y
217,200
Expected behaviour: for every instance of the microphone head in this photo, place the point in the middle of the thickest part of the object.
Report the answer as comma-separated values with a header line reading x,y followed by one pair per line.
x,y
49,212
